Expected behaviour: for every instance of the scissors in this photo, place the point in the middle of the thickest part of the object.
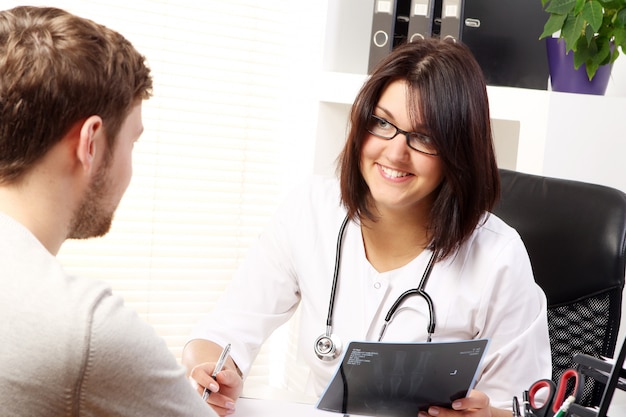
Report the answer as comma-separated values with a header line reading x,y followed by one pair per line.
x,y
554,394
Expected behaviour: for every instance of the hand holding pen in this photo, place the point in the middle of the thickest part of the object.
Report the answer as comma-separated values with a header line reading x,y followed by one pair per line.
x,y
218,367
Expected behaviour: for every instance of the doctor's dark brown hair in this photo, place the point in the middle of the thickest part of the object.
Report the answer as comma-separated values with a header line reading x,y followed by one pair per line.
x,y
57,69
447,88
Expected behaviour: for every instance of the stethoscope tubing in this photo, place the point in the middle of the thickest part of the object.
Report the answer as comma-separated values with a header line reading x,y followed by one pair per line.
x,y
415,291
419,290
331,303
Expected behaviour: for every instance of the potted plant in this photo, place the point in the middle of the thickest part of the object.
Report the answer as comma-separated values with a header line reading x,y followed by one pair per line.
x,y
593,30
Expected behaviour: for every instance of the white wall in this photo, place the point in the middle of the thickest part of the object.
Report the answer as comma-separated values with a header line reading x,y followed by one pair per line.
x,y
617,83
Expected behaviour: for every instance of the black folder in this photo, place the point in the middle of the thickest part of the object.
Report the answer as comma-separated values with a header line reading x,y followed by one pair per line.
x,y
400,379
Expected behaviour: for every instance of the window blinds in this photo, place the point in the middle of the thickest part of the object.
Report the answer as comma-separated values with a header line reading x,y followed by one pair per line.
x,y
210,167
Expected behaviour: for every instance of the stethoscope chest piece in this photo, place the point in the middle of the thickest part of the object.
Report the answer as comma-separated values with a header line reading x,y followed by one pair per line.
x,y
327,348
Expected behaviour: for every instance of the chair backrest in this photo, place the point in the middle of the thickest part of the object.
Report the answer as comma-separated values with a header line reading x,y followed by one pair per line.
x,y
575,234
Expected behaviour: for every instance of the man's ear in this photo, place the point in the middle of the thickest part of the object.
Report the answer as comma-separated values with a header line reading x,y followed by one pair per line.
x,y
90,131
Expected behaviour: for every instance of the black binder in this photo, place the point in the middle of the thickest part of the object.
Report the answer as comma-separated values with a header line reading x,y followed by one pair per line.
x,y
503,36
389,28
421,17
452,12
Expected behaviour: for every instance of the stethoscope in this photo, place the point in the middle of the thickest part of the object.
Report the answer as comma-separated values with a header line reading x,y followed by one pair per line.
x,y
328,346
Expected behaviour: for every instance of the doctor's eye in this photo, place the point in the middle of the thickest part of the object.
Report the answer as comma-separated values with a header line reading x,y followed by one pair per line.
x,y
381,127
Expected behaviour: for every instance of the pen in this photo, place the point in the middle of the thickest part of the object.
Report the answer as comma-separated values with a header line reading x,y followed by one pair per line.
x,y
516,410
563,410
527,411
218,367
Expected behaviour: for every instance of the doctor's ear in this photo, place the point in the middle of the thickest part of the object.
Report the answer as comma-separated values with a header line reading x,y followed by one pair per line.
x,y
91,134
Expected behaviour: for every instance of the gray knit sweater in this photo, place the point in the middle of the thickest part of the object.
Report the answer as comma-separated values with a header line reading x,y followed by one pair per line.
x,y
68,347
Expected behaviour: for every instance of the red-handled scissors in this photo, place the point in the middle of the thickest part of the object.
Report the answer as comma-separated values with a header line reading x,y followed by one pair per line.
x,y
546,397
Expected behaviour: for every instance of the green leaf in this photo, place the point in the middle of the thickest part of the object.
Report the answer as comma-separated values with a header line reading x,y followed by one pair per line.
x,y
572,31
615,54
601,54
589,34
554,24
613,4
597,53
561,6
592,13
582,53
620,37
579,6
591,70
620,18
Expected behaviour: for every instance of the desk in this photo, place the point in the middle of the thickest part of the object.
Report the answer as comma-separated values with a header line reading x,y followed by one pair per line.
x,y
251,407
261,400
255,407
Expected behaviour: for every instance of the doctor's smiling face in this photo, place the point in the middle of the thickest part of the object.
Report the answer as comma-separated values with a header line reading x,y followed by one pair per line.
x,y
434,89
399,178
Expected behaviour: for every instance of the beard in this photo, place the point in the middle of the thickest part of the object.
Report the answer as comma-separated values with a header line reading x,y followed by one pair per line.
x,y
92,218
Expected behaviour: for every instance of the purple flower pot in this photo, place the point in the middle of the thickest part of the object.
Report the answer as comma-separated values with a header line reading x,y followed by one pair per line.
x,y
565,78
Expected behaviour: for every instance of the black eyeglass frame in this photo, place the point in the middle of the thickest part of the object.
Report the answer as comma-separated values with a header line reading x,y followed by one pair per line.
x,y
406,134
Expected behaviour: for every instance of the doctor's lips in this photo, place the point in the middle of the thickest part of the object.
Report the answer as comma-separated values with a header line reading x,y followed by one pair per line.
x,y
392,173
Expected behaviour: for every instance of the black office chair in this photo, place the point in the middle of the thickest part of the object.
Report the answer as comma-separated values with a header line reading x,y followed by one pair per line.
x,y
575,234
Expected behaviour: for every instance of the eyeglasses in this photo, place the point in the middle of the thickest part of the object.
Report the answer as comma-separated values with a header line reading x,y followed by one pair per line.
x,y
384,129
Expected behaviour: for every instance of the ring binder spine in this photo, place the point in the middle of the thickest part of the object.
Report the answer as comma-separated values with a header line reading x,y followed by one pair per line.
x,y
452,19
421,17
383,26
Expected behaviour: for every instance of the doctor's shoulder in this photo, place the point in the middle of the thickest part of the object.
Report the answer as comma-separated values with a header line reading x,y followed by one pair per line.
x,y
310,207
319,195
493,238
493,224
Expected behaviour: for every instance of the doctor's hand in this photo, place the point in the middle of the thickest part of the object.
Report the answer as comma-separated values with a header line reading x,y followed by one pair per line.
x,y
225,389
474,405
199,357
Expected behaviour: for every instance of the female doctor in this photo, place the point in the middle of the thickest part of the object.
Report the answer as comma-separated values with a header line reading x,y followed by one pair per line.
x,y
410,211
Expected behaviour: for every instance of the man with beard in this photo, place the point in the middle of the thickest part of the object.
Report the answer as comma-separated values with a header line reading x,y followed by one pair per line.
x,y
71,93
